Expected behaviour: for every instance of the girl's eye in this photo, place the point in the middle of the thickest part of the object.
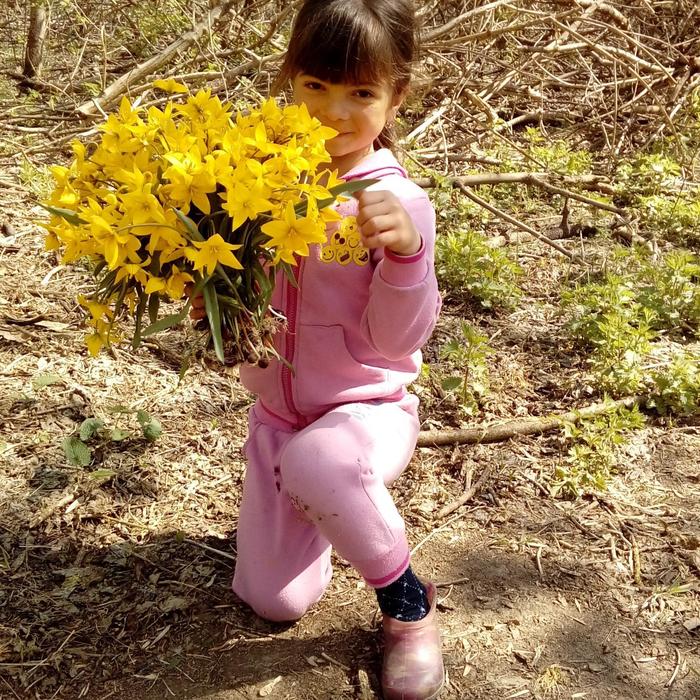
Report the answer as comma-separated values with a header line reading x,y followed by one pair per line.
x,y
364,94
312,85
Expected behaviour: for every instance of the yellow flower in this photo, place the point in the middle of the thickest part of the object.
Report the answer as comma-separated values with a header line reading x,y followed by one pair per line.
x,y
291,235
211,252
175,284
190,181
301,122
95,342
205,111
155,284
242,203
141,207
164,234
170,85
97,310
134,271
100,337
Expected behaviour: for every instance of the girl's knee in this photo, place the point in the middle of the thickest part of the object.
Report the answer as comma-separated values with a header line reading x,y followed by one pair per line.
x,y
307,465
287,605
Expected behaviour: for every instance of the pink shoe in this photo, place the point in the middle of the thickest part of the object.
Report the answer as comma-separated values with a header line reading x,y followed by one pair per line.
x,y
412,668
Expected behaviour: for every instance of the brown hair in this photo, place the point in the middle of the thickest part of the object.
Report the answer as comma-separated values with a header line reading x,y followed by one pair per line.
x,y
354,41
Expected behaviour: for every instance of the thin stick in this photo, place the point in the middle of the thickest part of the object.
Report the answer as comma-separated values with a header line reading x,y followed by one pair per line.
x,y
210,549
453,582
512,220
466,496
674,675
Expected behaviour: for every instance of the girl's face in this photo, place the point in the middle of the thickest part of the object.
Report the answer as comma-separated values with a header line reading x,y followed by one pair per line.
x,y
357,112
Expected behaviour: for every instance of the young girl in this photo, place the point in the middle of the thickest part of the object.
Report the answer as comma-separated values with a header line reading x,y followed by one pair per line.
x,y
327,437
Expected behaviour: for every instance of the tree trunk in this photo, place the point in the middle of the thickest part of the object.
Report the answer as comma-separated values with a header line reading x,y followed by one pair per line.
x,y
38,25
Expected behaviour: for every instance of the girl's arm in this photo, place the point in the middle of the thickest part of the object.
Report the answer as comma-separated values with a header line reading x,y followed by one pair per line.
x,y
404,300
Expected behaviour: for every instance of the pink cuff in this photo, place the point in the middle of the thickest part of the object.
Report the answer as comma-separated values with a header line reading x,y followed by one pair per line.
x,y
404,270
405,259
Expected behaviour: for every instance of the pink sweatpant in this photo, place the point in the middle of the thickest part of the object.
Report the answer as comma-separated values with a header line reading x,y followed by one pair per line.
x,y
324,486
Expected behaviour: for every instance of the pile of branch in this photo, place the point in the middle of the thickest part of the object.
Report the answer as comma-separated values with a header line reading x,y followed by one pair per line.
x,y
618,76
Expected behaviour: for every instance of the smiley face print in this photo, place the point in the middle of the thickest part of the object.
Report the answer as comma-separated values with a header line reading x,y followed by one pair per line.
x,y
345,246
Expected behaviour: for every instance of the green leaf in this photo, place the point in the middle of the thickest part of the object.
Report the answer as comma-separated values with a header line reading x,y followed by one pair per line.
x,y
166,322
151,427
89,427
120,408
102,474
140,309
451,383
152,430
172,320
153,307
190,225
117,434
211,304
67,214
343,188
46,380
77,452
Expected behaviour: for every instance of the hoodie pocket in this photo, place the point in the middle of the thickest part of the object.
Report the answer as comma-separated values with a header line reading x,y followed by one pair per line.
x,y
326,373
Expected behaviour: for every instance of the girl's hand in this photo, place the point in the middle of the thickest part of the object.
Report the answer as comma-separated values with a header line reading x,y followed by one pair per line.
x,y
197,310
384,223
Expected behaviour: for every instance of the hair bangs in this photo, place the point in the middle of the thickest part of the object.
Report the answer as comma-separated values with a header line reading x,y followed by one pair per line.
x,y
346,48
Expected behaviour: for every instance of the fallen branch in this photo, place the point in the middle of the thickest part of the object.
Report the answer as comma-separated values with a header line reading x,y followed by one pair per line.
x,y
515,222
525,426
114,91
592,183
467,495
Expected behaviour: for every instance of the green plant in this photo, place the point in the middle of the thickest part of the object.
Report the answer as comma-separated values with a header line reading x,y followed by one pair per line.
x,y
466,263
607,318
468,354
556,155
593,451
641,303
36,178
675,386
150,22
93,432
655,185
670,288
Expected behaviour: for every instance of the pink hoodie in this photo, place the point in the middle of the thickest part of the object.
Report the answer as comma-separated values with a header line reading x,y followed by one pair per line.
x,y
354,330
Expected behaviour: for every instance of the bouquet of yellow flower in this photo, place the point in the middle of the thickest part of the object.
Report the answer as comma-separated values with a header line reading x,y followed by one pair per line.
x,y
192,199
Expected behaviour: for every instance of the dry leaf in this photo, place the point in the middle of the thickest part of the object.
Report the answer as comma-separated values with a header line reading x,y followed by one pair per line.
x,y
692,624
53,325
269,687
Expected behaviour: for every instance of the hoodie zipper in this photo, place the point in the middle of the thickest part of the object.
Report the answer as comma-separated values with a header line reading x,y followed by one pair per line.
x,y
291,309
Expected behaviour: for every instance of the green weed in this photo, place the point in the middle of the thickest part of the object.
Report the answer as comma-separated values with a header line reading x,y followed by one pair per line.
x,y
36,178
593,452
465,263
655,186
93,432
556,155
469,354
627,320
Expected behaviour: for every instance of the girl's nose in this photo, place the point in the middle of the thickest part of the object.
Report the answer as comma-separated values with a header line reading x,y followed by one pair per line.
x,y
335,110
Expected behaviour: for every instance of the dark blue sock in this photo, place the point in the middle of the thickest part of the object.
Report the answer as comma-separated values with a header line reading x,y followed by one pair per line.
x,y
405,599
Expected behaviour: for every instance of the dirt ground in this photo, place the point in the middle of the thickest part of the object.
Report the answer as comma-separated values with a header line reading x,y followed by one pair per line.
x,y
115,577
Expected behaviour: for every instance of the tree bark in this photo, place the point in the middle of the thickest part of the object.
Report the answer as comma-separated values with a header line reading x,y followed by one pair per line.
x,y
38,26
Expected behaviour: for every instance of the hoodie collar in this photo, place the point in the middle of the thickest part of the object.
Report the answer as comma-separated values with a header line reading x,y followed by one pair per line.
x,y
377,164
